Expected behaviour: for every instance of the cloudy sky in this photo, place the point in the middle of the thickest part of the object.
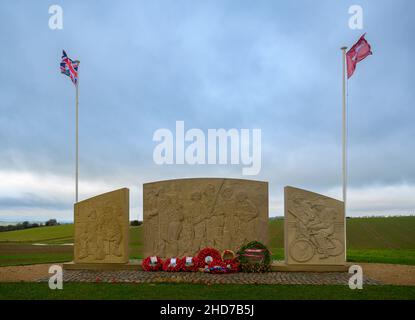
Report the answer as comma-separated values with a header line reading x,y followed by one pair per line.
x,y
269,65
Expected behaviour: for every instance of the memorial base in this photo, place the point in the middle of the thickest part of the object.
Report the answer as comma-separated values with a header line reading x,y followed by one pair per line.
x,y
276,266
281,266
131,265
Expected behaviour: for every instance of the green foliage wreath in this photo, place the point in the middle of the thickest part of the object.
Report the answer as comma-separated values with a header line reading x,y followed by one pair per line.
x,y
254,257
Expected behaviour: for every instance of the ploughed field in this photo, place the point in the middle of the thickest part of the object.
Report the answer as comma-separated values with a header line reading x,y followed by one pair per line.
x,y
382,240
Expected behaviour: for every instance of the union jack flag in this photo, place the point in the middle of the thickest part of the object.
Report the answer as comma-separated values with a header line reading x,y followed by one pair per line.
x,y
69,67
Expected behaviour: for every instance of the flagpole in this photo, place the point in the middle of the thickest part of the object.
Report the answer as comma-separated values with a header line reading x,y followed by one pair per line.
x,y
344,142
76,142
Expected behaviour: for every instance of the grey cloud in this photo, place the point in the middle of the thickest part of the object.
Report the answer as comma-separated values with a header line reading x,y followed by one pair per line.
x,y
231,64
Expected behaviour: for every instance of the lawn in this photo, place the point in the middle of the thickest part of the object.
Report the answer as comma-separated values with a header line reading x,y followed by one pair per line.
x,y
200,292
381,233
136,242
394,256
382,240
51,235
12,253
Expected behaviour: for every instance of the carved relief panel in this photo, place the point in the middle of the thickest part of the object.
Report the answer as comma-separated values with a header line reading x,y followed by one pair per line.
x,y
314,228
101,228
185,215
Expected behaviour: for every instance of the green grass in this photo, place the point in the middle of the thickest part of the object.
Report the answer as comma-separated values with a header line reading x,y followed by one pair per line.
x,y
382,240
381,233
394,256
13,253
35,258
136,242
52,235
276,234
277,253
200,292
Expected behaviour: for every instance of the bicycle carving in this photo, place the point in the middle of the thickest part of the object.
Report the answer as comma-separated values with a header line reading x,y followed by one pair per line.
x,y
314,236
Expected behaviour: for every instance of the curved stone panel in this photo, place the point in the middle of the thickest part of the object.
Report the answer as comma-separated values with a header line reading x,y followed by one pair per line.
x,y
314,228
185,215
101,228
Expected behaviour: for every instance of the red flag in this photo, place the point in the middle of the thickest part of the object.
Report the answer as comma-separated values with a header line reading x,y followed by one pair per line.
x,y
357,53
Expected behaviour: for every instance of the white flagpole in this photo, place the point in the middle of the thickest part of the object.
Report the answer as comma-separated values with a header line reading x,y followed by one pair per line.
x,y
76,142
344,141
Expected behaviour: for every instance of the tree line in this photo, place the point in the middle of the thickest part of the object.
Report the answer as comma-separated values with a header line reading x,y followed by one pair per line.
x,y
28,225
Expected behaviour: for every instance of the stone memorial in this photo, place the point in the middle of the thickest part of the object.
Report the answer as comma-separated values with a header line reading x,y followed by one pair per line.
x,y
185,215
101,229
314,229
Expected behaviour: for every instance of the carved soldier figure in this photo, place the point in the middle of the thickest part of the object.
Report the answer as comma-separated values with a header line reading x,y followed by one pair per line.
x,y
100,252
199,222
91,228
187,235
152,221
83,242
164,205
322,229
175,228
231,223
247,213
208,197
114,231
224,221
208,202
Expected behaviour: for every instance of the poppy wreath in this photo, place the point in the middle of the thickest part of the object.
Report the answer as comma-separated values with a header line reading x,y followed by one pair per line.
x,y
217,266
172,265
208,255
189,264
152,264
254,257
232,264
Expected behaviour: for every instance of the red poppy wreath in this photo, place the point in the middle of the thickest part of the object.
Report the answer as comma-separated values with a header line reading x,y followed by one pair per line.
x,y
208,255
153,263
189,264
172,265
232,264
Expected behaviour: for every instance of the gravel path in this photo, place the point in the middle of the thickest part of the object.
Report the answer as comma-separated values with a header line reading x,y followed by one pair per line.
x,y
24,273
395,274
376,274
204,278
